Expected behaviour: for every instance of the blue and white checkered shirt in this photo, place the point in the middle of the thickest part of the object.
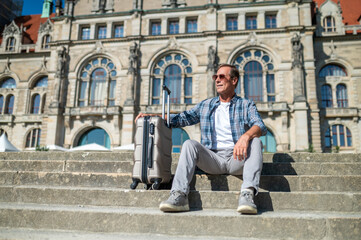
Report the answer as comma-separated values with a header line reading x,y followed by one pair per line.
x,y
243,115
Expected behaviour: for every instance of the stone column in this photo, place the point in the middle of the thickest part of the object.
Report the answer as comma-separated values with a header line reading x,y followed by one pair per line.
x,y
300,127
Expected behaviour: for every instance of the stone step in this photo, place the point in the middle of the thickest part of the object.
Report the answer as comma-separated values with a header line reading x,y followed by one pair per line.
x,y
108,166
202,182
26,234
266,201
128,156
208,222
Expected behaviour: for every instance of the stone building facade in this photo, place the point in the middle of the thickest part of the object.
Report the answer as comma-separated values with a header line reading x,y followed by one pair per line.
x,y
86,72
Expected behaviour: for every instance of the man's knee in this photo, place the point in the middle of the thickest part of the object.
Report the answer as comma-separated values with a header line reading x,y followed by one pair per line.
x,y
190,144
256,144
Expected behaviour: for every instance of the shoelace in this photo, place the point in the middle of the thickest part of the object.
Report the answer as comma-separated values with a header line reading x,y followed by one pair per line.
x,y
248,196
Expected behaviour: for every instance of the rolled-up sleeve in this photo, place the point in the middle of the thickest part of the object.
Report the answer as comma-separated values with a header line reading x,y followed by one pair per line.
x,y
186,118
254,119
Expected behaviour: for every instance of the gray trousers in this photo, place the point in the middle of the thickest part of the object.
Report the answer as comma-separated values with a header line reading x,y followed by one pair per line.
x,y
220,162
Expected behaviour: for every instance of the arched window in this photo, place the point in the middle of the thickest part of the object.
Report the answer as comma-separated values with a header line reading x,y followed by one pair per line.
x,y
173,80
9,105
33,138
35,107
1,103
341,94
256,73
8,83
179,136
338,135
326,96
45,42
175,71
329,24
42,82
97,83
269,142
95,135
332,70
253,88
10,44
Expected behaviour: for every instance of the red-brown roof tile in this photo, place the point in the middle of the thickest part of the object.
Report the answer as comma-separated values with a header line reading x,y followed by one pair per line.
x,y
31,23
351,10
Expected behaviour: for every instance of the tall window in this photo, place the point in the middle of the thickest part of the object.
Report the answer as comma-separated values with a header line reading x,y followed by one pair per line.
x,y
341,94
119,31
271,21
10,44
173,80
338,135
232,23
97,83
326,96
102,32
173,27
253,81
9,105
45,42
251,22
85,33
35,104
175,71
42,82
192,26
332,70
329,24
95,135
156,28
1,103
255,67
33,138
8,83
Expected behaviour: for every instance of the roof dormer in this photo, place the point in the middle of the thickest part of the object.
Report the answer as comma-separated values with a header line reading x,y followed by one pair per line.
x,y
329,19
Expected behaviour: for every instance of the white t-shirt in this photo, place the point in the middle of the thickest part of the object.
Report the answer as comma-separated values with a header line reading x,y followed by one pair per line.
x,y
223,127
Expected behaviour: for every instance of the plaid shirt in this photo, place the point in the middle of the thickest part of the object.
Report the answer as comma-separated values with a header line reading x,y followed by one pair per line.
x,y
243,115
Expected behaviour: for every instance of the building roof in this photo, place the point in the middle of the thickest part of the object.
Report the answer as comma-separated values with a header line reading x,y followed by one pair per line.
x,y
351,10
31,24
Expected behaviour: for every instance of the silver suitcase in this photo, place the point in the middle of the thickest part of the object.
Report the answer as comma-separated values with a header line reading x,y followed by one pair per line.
x,y
153,149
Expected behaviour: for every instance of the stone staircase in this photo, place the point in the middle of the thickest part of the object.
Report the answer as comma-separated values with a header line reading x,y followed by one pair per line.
x,y
55,195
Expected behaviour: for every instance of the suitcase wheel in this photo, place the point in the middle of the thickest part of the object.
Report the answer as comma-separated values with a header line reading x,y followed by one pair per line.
x,y
134,184
156,184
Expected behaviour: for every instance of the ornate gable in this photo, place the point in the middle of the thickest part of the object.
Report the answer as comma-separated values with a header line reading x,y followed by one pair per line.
x,y
46,27
12,29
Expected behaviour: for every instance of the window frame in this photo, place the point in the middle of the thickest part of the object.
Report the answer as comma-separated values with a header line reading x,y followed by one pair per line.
x,y
251,18
233,19
273,22
45,41
10,44
172,21
101,34
190,19
158,24
326,28
121,25
84,35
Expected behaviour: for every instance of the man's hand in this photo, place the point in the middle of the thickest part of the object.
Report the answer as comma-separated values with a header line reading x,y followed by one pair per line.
x,y
240,149
144,115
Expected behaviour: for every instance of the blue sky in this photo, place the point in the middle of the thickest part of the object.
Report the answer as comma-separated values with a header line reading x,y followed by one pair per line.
x,y
33,7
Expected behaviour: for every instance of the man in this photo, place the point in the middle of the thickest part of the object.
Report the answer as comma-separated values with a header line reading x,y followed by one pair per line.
x,y
230,127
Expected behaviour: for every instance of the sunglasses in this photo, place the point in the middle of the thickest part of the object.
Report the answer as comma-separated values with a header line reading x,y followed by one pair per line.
x,y
220,76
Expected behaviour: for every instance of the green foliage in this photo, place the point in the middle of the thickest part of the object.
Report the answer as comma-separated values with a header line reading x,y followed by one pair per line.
x,y
42,149
310,148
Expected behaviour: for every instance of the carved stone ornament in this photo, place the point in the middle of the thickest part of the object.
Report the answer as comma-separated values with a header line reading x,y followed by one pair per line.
x,y
296,51
12,29
252,39
133,58
333,54
172,43
46,27
98,47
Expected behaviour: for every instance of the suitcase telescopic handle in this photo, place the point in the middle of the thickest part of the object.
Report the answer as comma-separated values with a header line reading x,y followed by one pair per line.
x,y
166,91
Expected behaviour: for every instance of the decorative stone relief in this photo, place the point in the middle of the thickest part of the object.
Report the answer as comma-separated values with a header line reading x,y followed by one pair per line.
x,y
46,27
12,29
